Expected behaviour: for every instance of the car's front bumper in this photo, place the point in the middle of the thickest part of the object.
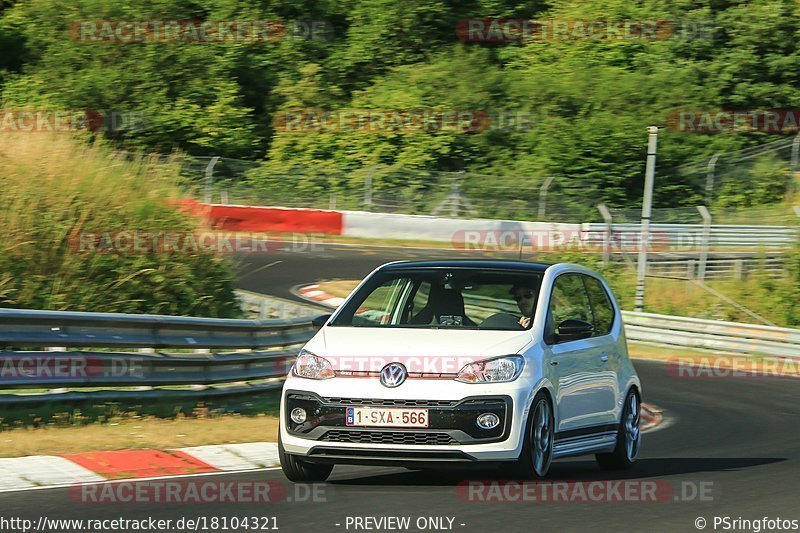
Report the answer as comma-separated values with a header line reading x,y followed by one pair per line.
x,y
452,435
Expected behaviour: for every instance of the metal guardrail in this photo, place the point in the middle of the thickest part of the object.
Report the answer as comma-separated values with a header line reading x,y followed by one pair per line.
x,y
715,335
145,370
718,268
23,327
109,367
689,236
31,370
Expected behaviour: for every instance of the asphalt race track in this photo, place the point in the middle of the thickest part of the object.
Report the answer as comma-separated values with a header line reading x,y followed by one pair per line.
x,y
735,439
277,273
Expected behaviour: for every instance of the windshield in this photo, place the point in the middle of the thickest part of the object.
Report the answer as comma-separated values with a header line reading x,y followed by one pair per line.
x,y
452,299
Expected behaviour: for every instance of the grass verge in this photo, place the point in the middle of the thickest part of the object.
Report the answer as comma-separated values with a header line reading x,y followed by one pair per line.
x,y
71,212
138,433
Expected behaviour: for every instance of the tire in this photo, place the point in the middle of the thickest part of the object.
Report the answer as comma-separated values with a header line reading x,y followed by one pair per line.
x,y
537,448
299,471
629,437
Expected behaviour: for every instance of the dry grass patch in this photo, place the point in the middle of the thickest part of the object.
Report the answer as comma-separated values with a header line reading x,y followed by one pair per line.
x,y
146,433
341,288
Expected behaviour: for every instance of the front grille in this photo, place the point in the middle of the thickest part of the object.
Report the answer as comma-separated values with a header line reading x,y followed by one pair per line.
x,y
389,437
379,402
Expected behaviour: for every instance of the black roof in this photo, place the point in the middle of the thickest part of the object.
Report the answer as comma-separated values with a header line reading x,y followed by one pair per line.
x,y
468,263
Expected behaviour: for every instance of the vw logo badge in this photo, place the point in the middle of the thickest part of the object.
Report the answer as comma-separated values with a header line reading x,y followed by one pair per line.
x,y
393,375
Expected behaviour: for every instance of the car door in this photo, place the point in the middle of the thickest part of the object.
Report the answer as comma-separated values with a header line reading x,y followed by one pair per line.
x,y
576,365
603,317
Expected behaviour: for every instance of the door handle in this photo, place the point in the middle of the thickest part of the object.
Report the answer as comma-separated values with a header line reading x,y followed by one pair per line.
x,y
554,363
604,358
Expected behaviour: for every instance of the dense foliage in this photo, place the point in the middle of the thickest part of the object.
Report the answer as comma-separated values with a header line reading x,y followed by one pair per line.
x,y
586,102
55,190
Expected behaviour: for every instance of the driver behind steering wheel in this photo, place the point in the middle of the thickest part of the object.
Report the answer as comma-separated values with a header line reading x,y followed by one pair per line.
x,y
525,296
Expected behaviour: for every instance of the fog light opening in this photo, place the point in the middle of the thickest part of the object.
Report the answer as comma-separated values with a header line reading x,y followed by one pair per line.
x,y
488,421
298,415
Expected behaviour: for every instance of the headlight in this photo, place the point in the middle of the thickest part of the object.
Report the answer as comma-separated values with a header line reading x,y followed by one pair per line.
x,y
497,370
312,366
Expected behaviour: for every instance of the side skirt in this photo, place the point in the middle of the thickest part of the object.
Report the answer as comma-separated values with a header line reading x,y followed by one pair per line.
x,y
596,439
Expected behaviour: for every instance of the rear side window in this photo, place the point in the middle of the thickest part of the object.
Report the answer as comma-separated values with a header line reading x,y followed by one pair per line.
x,y
602,310
568,301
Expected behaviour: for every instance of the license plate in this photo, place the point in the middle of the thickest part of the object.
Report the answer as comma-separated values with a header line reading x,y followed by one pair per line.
x,y
400,418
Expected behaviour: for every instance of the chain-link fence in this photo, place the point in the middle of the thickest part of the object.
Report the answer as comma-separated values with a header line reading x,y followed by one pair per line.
x,y
753,176
392,190
749,186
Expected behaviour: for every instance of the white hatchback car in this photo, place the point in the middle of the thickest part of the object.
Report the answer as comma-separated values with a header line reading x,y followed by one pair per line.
x,y
438,363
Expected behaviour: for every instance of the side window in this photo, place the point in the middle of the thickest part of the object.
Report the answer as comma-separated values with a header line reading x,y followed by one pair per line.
x,y
378,307
568,301
421,297
602,309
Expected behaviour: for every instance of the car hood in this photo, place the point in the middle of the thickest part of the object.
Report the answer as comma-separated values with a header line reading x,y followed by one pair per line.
x,y
423,350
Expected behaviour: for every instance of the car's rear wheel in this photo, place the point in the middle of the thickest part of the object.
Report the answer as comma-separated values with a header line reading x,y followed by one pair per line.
x,y
537,448
299,471
629,438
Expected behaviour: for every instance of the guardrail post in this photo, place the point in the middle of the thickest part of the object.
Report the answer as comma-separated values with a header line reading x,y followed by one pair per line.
x,y
706,236
368,189
607,218
710,174
738,269
647,211
543,197
210,177
690,269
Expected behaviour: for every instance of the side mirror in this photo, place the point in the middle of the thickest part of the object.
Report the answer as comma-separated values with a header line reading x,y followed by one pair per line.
x,y
319,321
573,330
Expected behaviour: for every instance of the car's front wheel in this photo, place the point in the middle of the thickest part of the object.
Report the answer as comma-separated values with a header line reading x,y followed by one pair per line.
x,y
537,448
299,471
628,438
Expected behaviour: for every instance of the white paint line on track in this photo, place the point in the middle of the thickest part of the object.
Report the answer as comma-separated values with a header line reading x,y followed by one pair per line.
x,y
312,294
130,480
263,454
308,288
244,456
37,470
220,457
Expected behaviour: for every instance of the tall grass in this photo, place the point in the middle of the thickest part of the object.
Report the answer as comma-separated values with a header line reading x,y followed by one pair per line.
x,y
53,187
